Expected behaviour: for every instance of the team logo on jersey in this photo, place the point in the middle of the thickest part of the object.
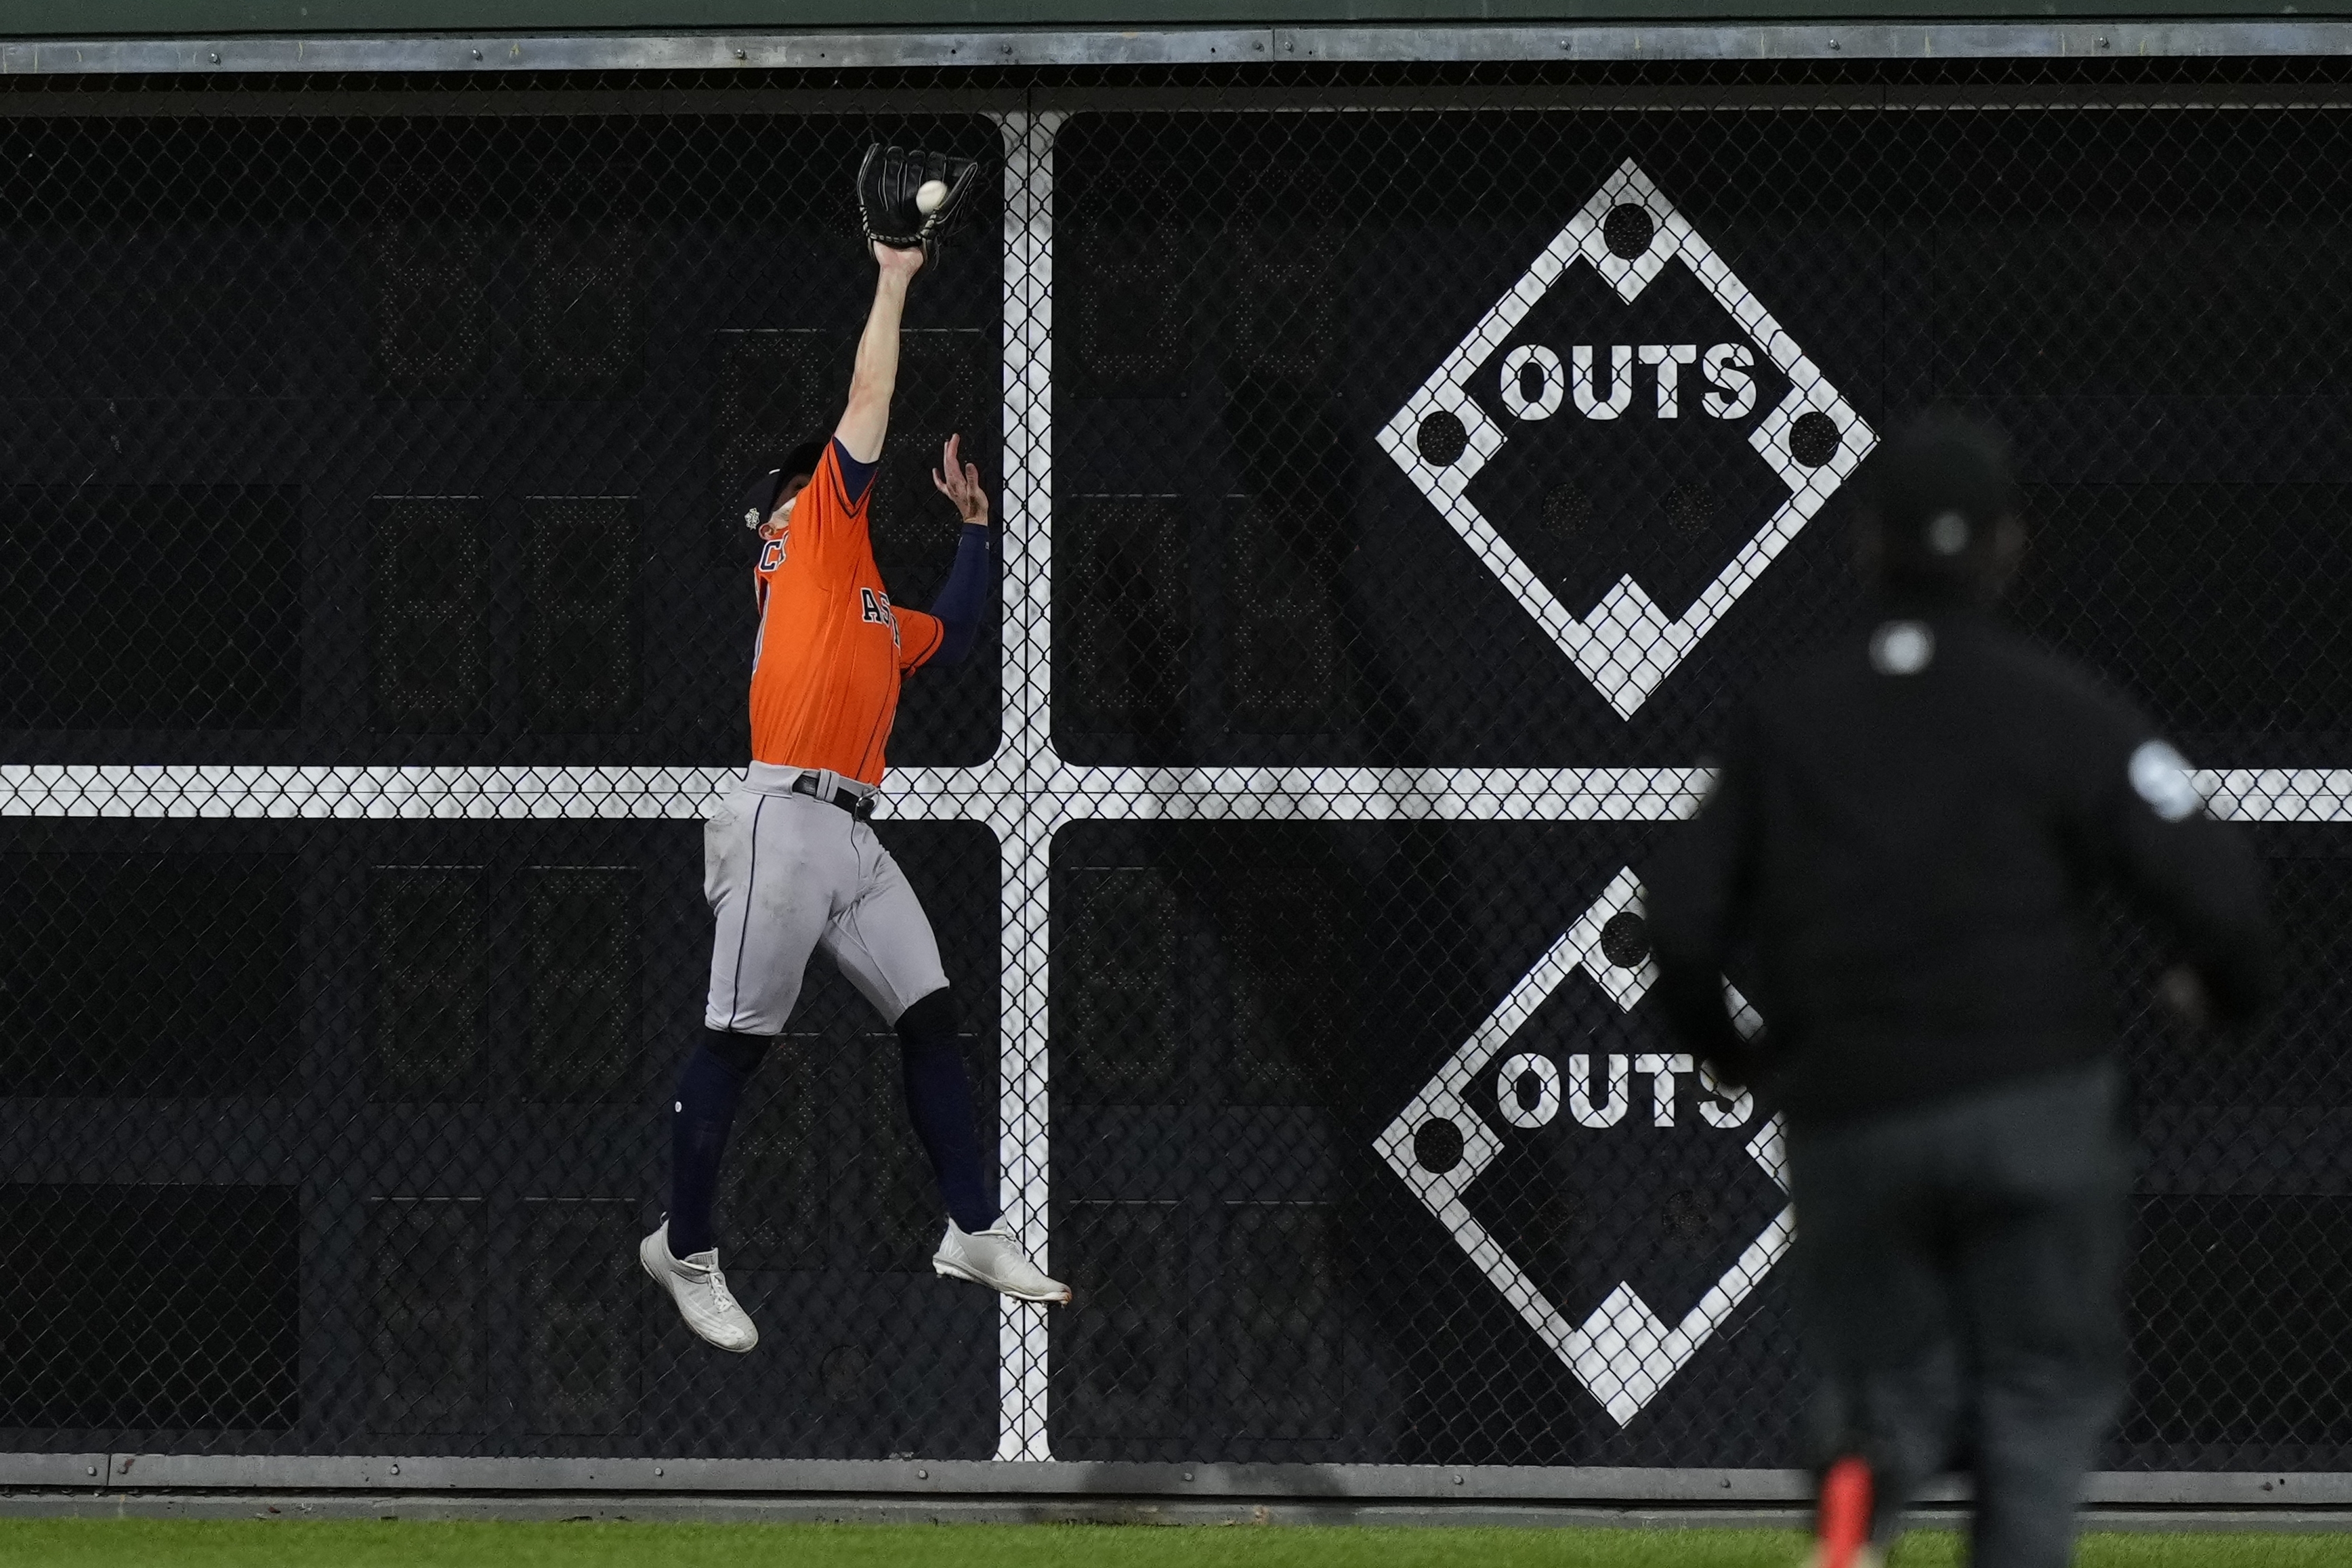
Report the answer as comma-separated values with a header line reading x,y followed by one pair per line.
x,y
1567,1074
772,553
2161,777
875,611
1616,432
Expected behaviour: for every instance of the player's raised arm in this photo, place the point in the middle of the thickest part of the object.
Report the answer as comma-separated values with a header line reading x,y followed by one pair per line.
x,y
867,418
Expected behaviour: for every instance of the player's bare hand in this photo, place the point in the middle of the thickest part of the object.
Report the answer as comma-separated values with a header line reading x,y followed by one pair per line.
x,y
894,262
959,482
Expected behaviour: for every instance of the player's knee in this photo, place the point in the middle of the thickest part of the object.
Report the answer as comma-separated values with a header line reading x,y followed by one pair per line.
x,y
933,1018
738,1053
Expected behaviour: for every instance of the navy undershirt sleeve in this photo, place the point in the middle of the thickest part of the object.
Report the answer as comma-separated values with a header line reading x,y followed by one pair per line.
x,y
961,602
856,477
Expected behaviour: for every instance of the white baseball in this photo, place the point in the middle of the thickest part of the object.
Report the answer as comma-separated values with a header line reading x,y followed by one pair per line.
x,y
928,195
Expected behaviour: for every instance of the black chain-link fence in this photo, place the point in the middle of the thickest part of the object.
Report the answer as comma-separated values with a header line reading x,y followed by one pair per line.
x,y
1402,474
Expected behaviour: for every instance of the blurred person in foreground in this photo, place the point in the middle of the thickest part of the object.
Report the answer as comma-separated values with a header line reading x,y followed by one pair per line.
x,y
1903,844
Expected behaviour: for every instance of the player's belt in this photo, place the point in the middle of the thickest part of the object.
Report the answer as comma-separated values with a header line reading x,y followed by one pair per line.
x,y
859,806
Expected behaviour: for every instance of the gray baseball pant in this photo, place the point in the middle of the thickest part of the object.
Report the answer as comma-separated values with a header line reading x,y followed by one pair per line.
x,y
788,874
1958,1272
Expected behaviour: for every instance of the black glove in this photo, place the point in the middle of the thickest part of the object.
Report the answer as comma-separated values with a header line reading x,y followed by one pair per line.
x,y
887,184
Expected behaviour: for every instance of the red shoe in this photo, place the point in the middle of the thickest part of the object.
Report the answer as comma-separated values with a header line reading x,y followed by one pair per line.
x,y
1842,1530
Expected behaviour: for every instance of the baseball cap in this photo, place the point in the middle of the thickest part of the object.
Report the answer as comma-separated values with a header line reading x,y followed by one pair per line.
x,y
761,492
1934,493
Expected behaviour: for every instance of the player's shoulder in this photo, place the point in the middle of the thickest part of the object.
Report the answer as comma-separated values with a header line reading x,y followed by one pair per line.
x,y
1959,653
825,485
842,484
2067,688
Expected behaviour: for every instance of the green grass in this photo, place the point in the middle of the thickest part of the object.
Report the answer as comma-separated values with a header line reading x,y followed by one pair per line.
x,y
145,1544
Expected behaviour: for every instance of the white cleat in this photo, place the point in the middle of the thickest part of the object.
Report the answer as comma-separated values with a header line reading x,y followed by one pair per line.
x,y
700,1291
992,1258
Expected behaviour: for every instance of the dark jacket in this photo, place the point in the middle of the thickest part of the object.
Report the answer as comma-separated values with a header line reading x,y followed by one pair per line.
x,y
1909,852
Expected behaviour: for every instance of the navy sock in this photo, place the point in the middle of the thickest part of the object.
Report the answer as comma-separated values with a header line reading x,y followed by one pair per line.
x,y
704,1109
938,1101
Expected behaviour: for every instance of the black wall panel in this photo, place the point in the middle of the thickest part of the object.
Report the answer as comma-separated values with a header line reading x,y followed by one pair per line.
x,y
381,434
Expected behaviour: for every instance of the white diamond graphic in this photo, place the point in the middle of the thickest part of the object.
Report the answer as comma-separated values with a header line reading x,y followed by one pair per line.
x,y
1628,645
1624,1352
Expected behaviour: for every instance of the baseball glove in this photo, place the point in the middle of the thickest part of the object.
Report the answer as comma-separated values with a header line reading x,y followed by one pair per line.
x,y
887,184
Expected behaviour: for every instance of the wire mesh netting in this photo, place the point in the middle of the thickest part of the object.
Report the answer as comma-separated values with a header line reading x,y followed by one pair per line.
x,y
1402,474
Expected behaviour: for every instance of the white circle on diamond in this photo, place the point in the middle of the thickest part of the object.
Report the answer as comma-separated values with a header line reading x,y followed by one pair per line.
x,y
1506,1090
1902,648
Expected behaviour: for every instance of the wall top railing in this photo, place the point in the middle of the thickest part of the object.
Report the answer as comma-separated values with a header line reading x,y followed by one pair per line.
x,y
105,37
180,18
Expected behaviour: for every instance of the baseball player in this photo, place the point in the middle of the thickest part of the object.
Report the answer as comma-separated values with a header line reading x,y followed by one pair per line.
x,y
790,862
1907,835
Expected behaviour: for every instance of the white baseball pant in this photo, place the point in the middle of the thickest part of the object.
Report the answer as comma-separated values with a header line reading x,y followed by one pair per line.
x,y
788,873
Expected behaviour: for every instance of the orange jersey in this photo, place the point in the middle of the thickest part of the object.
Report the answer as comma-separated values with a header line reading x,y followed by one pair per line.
x,y
825,683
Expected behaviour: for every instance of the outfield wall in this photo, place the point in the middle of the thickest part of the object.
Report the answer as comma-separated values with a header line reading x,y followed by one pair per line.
x,y
1409,444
